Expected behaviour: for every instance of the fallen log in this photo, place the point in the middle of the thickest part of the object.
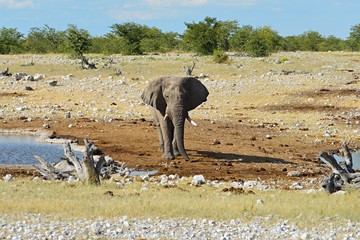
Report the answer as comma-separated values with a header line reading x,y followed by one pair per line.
x,y
50,172
343,174
87,169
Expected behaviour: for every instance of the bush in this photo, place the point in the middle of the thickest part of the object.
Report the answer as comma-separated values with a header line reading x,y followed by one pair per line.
x,y
220,56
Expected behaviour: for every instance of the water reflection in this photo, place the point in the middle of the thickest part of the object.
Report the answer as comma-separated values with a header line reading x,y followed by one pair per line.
x,y
20,149
355,157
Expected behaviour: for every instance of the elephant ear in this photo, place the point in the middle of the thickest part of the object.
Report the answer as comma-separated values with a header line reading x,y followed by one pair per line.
x,y
197,93
153,96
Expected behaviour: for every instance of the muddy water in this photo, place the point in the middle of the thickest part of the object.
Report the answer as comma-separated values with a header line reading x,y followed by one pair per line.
x,y
20,149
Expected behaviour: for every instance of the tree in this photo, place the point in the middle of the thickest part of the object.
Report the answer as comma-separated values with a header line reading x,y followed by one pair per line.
x,y
44,40
332,43
290,43
108,44
224,33
10,41
240,38
206,36
311,41
132,35
262,42
157,41
79,40
354,38
151,41
170,41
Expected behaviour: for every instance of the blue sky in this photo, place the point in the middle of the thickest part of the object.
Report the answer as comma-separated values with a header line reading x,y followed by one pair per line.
x,y
287,17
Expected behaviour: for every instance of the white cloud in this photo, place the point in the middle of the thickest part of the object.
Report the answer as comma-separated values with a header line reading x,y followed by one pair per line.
x,y
17,4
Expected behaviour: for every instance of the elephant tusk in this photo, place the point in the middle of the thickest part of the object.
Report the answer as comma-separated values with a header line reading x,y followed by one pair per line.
x,y
191,121
165,117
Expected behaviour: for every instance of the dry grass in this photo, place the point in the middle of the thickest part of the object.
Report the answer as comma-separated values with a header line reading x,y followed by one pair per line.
x,y
248,74
109,201
238,88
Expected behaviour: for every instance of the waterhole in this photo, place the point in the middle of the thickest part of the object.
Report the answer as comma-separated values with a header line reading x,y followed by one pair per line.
x,y
20,149
355,158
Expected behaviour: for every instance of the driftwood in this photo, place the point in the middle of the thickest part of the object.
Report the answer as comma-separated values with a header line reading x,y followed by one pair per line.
x,y
189,69
88,65
343,173
51,172
6,73
87,170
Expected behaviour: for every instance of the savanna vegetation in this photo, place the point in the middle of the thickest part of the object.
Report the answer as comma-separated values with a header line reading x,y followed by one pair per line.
x,y
75,200
204,37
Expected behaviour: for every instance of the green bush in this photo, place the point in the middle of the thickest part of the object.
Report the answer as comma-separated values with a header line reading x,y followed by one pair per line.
x,y
220,56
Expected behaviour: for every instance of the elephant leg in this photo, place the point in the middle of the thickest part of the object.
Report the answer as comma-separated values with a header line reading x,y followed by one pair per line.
x,y
157,122
167,130
161,139
175,148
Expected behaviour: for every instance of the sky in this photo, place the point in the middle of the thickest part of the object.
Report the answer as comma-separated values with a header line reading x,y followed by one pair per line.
x,y
286,17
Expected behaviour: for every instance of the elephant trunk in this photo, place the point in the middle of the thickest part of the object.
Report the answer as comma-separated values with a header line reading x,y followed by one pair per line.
x,y
178,120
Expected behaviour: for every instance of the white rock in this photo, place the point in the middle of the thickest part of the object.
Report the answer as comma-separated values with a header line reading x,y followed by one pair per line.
x,y
296,186
294,174
67,77
198,180
8,178
96,227
22,108
311,191
164,180
341,192
38,77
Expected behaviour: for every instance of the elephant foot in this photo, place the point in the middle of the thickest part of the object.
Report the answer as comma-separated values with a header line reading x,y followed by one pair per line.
x,y
168,156
177,153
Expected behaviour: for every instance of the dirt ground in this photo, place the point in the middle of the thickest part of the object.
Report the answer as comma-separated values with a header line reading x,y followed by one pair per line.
x,y
219,151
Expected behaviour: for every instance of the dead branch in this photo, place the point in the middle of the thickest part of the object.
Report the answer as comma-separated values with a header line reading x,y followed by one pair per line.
x,y
342,174
88,65
6,73
347,157
189,69
87,169
50,172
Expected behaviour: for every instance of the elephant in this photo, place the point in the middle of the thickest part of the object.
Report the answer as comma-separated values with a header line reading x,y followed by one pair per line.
x,y
171,99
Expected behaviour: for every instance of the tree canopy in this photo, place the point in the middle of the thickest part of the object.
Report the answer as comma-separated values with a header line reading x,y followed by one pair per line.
x,y
204,37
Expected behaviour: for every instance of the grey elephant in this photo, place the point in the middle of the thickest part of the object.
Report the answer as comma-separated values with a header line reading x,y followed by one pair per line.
x,y
172,98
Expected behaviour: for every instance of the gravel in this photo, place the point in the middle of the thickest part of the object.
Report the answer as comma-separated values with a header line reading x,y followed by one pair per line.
x,y
37,226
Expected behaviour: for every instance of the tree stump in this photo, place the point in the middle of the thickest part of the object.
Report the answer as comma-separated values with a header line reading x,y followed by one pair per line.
x,y
86,170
